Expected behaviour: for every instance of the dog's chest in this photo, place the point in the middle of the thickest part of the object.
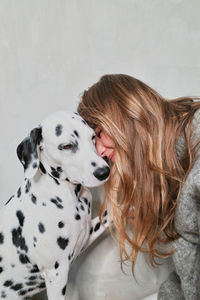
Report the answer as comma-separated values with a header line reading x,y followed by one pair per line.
x,y
55,218
59,213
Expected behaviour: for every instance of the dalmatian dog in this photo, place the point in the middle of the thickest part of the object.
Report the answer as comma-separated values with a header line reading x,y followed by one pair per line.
x,y
47,223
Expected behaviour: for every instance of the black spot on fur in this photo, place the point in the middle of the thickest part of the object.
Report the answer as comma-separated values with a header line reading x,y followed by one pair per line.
x,y
77,189
10,199
57,201
64,290
35,269
41,227
28,186
33,277
62,242
18,239
54,173
91,230
1,258
85,200
16,286
31,283
34,165
76,133
31,289
1,238
61,224
56,181
3,294
60,147
22,292
8,283
77,217
42,168
56,265
93,164
59,169
24,259
75,146
97,226
58,130
33,199
82,207
84,122
1,269
20,217
19,192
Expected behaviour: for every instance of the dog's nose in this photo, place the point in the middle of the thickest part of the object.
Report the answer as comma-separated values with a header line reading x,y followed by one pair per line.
x,y
102,173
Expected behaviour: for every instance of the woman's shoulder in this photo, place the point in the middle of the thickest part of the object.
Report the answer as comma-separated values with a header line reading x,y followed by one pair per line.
x,y
196,127
196,117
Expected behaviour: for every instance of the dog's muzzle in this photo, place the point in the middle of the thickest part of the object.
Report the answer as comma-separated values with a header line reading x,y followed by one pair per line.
x,y
102,173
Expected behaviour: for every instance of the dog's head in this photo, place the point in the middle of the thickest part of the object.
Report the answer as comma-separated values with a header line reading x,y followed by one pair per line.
x,y
64,146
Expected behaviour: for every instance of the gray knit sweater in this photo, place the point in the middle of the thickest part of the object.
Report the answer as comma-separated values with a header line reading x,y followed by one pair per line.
x,y
184,282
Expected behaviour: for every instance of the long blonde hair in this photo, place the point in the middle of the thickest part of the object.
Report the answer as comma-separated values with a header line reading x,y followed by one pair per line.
x,y
147,175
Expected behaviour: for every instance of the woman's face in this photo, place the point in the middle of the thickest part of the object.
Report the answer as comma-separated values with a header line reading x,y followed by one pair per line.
x,y
104,144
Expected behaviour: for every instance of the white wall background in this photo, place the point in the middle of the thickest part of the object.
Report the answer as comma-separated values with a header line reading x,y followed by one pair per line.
x,y
51,50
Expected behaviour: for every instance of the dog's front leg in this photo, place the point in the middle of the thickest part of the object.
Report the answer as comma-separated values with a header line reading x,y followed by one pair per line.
x,y
56,281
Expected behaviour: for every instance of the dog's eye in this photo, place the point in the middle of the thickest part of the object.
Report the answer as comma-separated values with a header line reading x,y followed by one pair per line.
x,y
68,147
73,146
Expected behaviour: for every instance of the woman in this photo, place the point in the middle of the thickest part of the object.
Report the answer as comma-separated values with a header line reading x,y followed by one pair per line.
x,y
152,193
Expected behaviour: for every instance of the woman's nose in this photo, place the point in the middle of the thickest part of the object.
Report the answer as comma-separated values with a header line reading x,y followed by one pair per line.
x,y
99,147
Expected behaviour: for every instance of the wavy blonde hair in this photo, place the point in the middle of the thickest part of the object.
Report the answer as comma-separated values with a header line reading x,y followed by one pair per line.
x,y
147,175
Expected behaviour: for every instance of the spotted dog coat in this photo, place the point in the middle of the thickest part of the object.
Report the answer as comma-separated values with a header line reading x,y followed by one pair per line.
x,y
47,223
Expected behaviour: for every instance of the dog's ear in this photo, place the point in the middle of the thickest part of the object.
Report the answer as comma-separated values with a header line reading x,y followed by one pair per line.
x,y
27,152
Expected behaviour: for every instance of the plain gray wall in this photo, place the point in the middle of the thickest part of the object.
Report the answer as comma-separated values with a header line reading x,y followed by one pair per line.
x,y
51,50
